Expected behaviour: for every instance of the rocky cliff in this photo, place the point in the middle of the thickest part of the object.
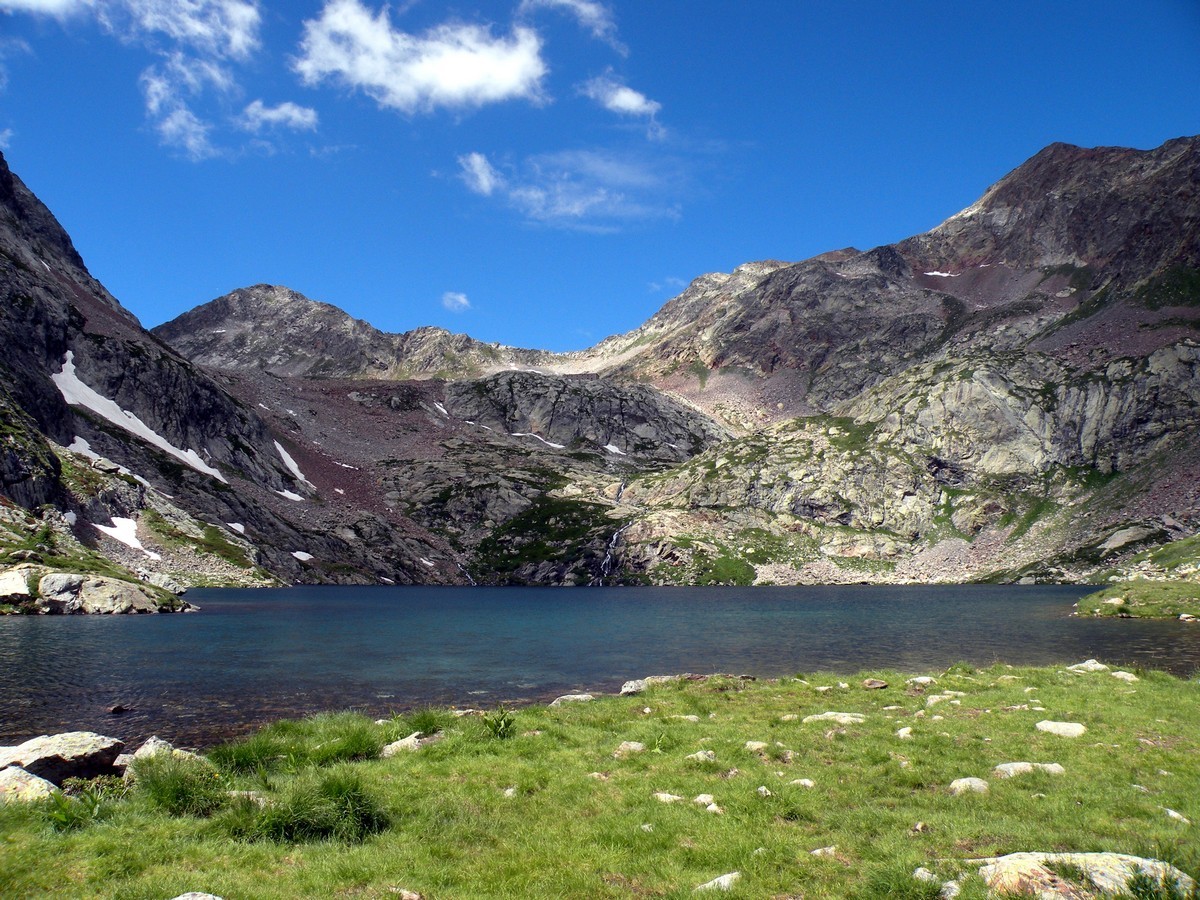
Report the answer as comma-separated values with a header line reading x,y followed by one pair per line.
x,y
1013,394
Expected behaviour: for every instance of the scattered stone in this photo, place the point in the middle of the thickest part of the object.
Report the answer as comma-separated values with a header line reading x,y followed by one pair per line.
x,y
713,808
921,680
905,733
253,796
196,895
628,748
406,894
823,851
572,698
1178,817
1187,617
647,827
1109,873
118,709
692,719
919,828
892,708
19,786
789,717
968,786
510,792
703,799
599,776
923,874
724,883
664,797
1062,729
1127,677
950,890
764,791
1089,665
702,756
874,684
404,745
756,746
73,754
935,699
840,718
803,782
1012,769
152,747
823,688
843,686
638,685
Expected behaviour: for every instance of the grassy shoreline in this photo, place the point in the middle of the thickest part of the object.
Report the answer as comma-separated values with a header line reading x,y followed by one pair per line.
x,y
1144,599
547,810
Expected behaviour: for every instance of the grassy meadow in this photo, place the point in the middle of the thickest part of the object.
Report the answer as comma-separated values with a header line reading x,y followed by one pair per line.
x,y
532,803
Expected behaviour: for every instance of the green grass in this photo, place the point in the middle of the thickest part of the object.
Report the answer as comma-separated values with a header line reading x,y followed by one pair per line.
x,y
1144,600
550,813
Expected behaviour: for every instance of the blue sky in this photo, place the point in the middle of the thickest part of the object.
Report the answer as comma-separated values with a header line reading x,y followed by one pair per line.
x,y
547,172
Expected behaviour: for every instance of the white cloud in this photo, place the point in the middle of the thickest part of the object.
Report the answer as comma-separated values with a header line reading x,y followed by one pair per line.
x,y
452,65
60,9
595,17
624,101
285,115
5,138
166,89
183,129
227,28
479,174
595,190
455,301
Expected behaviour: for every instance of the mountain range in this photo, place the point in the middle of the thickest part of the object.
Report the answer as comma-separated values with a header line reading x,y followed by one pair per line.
x,y
1013,395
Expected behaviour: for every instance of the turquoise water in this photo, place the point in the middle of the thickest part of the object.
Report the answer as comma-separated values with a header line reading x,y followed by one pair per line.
x,y
253,655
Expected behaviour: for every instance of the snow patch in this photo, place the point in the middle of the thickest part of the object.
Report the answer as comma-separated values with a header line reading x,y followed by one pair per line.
x,y
218,331
125,531
289,495
425,562
301,555
613,448
539,437
264,406
441,409
237,526
344,466
71,518
76,393
943,274
291,464
338,491
44,263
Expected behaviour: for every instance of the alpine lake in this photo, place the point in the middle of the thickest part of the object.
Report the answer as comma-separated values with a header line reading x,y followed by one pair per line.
x,y
251,656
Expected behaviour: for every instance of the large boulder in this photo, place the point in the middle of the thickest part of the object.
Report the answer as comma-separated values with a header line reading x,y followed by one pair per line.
x,y
68,594
1033,874
14,584
73,754
18,786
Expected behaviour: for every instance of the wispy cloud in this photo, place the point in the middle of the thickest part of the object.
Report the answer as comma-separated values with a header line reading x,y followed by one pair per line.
x,y
590,189
455,302
168,89
5,138
670,283
221,28
452,65
595,17
257,116
624,101
60,9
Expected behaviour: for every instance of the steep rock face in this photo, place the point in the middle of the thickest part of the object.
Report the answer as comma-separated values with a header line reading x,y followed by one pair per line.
x,y
277,330
624,419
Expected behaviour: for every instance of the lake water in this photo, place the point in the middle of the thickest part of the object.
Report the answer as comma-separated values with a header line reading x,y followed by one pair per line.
x,y
254,655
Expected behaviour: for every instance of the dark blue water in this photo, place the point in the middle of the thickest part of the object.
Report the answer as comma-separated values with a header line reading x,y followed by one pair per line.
x,y
254,655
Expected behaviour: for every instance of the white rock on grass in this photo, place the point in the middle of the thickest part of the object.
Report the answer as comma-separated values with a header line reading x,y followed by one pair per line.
x,y
628,748
404,745
724,883
921,680
693,719
803,782
1012,769
935,699
1108,872
1127,677
841,718
1062,729
18,786
703,799
823,851
968,786
196,895
572,698
72,754
702,756
764,791
755,746
1088,665
1178,817
664,797
905,733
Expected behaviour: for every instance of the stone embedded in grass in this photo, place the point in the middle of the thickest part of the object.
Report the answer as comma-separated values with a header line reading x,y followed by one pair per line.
x,y
823,851
572,698
1012,769
647,827
764,791
628,748
196,895
714,809
905,733
19,786
874,684
935,699
1127,677
702,756
693,719
1088,665
803,782
1178,817
724,883
755,746
1062,729
404,745
599,776
251,796
703,799
72,754
1109,873
841,718
921,681
664,797
789,717
968,786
